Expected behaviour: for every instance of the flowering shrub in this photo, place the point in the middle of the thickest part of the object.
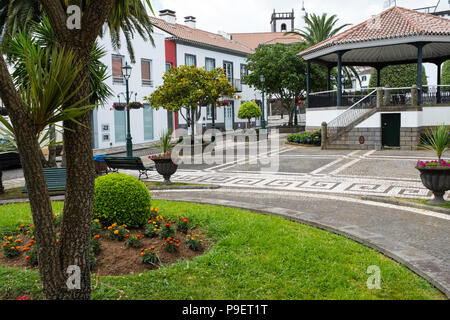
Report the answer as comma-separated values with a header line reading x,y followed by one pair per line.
x,y
96,227
171,244
194,242
166,230
153,212
314,138
164,156
135,105
134,241
96,245
117,232
152,229
12,247
32,257
435,163
149,256
183,225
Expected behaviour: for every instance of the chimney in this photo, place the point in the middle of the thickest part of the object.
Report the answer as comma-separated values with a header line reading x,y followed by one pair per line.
x,y
225,34
190,21
168,15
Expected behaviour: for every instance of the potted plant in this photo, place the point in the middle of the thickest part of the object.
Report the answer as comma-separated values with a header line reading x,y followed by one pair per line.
x,y
435,175
135,105
119,106
164,163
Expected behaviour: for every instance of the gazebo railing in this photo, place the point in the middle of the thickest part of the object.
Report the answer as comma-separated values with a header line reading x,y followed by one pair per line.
x,y
352,114
433,94
329,98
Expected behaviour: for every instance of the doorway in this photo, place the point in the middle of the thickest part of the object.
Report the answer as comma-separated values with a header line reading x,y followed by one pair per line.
x,y
390,129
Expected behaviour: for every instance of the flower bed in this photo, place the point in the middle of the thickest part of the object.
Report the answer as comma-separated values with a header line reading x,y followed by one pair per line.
x,y
433,164
115,250
311,138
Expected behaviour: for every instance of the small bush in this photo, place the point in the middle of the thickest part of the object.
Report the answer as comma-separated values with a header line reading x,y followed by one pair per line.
x,y
134,241
122,199
171,244
194,242
249,110
184,225
12,247
149,256
314,138
117,233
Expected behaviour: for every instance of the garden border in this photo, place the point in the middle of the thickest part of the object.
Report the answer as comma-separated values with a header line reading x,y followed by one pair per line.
x,y
406,204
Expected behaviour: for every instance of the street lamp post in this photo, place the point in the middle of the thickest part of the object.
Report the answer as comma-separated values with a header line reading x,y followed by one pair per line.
x,y
263,122
126,74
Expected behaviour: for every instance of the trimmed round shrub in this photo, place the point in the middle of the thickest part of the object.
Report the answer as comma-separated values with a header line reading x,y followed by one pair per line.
x,y
121,199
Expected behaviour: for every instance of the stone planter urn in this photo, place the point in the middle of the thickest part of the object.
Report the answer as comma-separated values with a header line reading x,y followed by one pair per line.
x,y
436,179
166,168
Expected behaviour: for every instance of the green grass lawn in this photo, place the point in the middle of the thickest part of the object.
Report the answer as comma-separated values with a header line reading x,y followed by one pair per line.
x,y
446,205
254,257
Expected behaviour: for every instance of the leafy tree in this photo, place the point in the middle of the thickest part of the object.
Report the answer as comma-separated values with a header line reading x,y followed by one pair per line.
x,y
446,73
73,247
285,74
190,88
127,16
249,110
320,28
398,76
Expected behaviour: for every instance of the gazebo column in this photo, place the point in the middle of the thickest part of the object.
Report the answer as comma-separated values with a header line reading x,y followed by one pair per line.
x,y
339,80
308,82
419,70
438,89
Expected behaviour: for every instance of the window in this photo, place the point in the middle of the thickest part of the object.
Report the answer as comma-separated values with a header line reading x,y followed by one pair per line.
x,y
168,66
228,69
209,112
148,123
117,74
146,72
190,60
210,64
119,126
244,72
364,78
283,27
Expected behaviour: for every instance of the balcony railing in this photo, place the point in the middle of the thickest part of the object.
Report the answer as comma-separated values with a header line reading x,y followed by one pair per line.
x,y
329,98
433,94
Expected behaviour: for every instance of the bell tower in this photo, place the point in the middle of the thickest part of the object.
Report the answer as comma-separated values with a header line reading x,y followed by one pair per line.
x,y
282,21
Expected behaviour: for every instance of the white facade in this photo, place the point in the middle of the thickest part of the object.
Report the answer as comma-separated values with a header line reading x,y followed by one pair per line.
x,y
109,125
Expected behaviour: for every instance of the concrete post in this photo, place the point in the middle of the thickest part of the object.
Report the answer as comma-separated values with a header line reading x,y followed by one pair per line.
x,y
387,97
323,144
414,96
379,98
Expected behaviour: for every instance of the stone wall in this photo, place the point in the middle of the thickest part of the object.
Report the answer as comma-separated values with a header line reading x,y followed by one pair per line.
x,y
409,139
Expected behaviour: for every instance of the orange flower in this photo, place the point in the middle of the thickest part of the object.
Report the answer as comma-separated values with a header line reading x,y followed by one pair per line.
x,y
27,257
142,253
97,237
116,232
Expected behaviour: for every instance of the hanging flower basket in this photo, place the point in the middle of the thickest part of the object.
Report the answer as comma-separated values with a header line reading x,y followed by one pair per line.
x,y
3,111
119,106
225,103
135,105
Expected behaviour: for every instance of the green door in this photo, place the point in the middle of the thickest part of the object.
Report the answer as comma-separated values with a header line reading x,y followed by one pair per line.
x,y
390,124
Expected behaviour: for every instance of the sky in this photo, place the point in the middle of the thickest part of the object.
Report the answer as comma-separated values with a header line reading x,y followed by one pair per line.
x,y
235,16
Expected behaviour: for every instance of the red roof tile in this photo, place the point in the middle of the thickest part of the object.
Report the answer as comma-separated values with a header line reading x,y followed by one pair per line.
x,y
395,22
199,36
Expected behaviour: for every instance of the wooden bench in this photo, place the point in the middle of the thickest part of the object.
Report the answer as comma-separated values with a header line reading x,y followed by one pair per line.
x,y
135,163
55,178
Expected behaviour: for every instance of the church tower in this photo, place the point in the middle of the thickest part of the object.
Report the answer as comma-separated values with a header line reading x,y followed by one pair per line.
x,y
282,22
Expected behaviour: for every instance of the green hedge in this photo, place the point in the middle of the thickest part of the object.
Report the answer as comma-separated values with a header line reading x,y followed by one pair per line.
x,y
122,199
313,138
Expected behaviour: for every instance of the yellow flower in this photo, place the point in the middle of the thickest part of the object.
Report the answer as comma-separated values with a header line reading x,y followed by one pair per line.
x,y
116,232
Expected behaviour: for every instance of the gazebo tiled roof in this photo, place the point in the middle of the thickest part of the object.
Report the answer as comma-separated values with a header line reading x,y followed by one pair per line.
x,y
394,26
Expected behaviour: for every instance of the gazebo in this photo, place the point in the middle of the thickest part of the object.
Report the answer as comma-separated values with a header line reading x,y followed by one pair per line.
x,y
395,36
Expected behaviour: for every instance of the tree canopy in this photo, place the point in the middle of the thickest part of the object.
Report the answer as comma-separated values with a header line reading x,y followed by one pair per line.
x,y
189,87
446,73
249,110
284,72
398,76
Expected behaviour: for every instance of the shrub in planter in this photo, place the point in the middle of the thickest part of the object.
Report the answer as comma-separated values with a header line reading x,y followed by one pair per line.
x,y
121,199
435,175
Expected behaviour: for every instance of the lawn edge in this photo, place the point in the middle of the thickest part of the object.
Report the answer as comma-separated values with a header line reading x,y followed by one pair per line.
x,y
406,204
